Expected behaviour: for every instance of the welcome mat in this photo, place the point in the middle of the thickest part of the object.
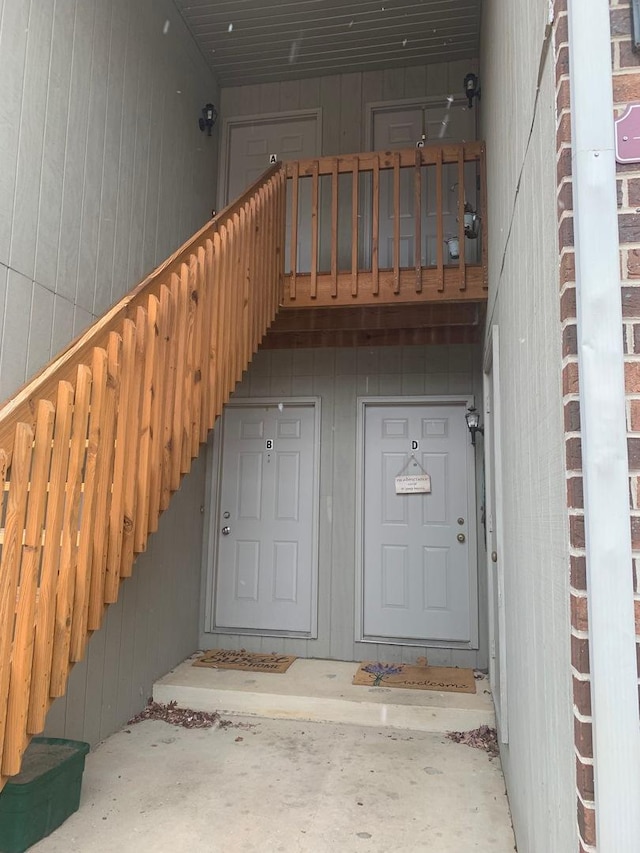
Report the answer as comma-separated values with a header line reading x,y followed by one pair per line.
x,y
415,677
249,661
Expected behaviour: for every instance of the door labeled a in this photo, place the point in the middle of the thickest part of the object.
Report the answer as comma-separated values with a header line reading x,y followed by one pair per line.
x,y
265,557
419,549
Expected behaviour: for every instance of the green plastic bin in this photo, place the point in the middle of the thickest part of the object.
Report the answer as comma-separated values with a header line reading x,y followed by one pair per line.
x,y
44,794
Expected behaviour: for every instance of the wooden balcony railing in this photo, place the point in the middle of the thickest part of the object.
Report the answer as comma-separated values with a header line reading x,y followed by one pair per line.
x,y
92,449
377,228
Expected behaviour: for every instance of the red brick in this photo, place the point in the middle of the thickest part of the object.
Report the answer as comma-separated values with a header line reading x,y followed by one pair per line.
x,y
635,534
572,416
562,62
584,779
562,29
570,340
628,226
563,98
568,304
574,454
583,738
565,199
565,233
626,87
563,168
570,383
620,22
633,451
580,654
575,497
631,377
563,132
576,533
619,192
582,696
579,614
636,606
559,6
587,824
628,57
633,263
631,301
634,420
578,572
634,192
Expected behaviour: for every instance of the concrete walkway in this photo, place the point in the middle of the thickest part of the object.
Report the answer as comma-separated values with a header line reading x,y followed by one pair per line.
x,y
285,786
310,764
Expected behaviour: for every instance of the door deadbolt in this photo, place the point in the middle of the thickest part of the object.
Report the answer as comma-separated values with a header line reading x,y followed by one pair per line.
x,y
461,520
226,530
461,537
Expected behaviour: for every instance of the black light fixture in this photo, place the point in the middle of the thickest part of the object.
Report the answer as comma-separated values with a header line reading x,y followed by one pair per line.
x,y
473,423
471,88
208,118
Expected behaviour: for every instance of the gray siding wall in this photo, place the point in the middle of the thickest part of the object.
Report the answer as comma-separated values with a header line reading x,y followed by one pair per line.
x,y
103,172
153,626
344,97
524,304
103,169
338,377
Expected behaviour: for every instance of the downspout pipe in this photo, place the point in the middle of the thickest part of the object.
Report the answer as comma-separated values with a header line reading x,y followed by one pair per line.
x,y
612,649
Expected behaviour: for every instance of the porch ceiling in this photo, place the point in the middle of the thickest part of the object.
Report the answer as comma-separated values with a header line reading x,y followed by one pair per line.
x,y
250,41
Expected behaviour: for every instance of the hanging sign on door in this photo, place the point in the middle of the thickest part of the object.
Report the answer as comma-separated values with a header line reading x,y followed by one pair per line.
x,y
413,484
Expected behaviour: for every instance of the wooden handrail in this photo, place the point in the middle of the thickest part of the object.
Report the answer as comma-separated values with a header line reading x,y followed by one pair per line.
x,y
386,233
92,448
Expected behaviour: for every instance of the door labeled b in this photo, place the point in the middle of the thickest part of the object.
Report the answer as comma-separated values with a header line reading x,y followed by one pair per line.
x,y
265,555
419,568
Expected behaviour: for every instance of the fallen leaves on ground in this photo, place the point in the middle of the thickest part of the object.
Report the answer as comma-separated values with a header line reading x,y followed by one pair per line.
x,y
185,717
484,738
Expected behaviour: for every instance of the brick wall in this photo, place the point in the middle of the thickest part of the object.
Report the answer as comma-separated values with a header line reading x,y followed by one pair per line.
x,y
626,88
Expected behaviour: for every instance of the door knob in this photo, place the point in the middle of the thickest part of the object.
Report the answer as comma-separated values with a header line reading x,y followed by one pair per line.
x,y
494,556
461,537
226,530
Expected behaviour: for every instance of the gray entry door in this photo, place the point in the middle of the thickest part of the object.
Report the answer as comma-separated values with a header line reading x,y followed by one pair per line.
x,y
417,547
250,146
265,559
251,143
402,128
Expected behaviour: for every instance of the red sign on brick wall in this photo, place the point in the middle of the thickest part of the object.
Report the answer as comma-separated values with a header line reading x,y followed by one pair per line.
x,y
628,135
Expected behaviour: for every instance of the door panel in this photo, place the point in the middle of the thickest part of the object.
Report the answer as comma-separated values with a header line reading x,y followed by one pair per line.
x,y
417,573
402,128
265,560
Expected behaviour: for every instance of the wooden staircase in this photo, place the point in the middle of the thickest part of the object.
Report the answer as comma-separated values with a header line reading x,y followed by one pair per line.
x,y
93,447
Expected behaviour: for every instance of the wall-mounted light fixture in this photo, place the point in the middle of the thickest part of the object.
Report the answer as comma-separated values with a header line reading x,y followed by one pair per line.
x,y
473,423
471,222
208,118
471,88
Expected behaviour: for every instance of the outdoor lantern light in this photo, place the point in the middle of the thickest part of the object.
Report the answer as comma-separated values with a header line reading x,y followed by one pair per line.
x,y
471,222
471,88
473,423
208,118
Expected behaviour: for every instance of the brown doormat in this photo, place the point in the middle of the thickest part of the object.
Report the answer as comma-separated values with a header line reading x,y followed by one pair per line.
x,y
415,677
249,661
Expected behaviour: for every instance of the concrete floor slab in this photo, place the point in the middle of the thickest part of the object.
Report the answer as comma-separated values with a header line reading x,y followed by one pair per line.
x,y
321,691
282,786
